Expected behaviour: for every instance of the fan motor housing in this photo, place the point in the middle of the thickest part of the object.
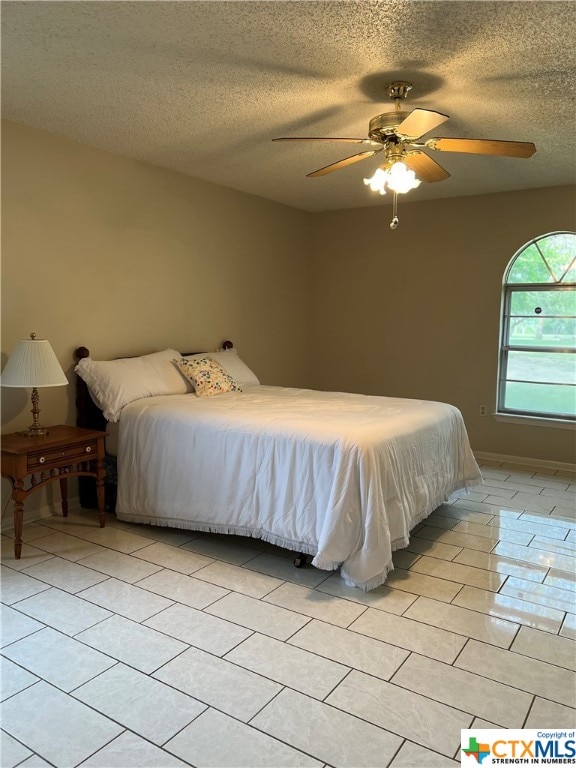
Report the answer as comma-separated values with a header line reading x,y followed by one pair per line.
x,y
384,125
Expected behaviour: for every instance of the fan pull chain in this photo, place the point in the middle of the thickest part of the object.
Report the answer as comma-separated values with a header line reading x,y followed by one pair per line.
x,y
394,222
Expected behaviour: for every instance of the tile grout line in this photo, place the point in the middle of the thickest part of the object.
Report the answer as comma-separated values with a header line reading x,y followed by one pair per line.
x,y
346,628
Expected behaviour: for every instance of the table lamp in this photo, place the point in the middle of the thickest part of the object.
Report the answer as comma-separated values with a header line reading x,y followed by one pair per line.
x,y
33,364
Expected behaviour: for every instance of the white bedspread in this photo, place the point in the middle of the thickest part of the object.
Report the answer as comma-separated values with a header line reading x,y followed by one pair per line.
x,y
341,476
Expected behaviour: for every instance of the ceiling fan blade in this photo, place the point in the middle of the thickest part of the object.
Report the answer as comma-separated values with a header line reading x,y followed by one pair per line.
x,y
425,168
420,121
343,163
326,138
483,147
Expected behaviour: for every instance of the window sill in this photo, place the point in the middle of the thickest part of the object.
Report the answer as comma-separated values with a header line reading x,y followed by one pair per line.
x,y
534,421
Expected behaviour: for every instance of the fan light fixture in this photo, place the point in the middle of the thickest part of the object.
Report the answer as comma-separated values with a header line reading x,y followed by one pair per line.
x,y
397,177
398,133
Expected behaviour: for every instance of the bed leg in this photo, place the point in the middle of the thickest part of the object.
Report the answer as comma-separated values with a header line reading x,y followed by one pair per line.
x,y
300,559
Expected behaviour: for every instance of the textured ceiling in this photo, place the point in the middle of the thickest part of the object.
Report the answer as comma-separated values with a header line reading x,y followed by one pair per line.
x,y
203,87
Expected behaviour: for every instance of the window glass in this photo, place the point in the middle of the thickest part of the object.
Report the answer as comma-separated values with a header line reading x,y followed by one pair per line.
x,y
570,276
547,303
538,338
558,252
545,400
551,367
529,267
538,331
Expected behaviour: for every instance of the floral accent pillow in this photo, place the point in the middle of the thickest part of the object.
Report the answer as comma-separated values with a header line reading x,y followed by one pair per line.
x,y
207,376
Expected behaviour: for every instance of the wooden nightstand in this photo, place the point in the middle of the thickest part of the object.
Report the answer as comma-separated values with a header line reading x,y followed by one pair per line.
x,y
64,452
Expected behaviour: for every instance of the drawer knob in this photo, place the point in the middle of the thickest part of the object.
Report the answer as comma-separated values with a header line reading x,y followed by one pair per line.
x,y
88,449
41,460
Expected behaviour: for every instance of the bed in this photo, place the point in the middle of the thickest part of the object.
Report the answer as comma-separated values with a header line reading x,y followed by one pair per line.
x,y
338,476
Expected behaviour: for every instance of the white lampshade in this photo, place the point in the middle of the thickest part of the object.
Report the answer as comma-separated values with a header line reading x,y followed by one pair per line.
x,y
33,364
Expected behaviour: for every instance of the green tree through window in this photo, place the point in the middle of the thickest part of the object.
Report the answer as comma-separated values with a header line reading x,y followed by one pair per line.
x,y
537,375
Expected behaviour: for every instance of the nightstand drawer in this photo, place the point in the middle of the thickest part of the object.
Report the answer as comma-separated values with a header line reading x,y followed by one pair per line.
x,y
59,456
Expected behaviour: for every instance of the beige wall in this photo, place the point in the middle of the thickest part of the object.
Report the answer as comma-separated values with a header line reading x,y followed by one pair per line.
x,y
124,257
415,312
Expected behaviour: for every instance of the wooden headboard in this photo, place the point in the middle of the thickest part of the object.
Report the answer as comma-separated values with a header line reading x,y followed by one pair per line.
x,y
87,412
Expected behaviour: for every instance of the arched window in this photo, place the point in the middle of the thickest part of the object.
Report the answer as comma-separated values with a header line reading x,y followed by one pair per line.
x,y
537,372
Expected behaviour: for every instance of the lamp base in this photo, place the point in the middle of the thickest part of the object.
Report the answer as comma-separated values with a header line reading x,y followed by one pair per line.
x,y
34,431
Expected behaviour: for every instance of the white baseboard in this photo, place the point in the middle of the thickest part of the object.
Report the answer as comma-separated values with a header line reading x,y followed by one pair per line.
x,y
550,466
32,515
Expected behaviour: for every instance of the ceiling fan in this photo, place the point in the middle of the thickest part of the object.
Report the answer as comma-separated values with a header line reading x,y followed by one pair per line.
x,y
399,135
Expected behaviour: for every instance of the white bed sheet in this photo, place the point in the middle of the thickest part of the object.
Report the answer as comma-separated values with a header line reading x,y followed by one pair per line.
x,y
343,477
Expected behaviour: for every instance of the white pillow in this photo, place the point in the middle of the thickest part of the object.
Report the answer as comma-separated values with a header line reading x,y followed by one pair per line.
x,y
232,364
115,383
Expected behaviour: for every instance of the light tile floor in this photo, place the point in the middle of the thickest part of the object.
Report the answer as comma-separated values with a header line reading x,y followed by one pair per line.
x,y
135,646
